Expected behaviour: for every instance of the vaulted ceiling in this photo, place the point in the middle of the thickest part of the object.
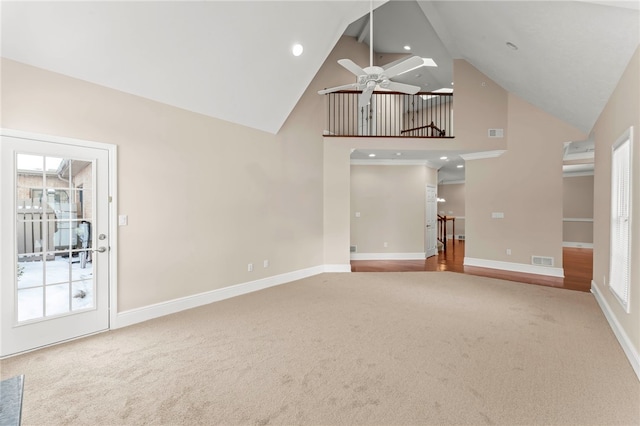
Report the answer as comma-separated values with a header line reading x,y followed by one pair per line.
x,y
232,60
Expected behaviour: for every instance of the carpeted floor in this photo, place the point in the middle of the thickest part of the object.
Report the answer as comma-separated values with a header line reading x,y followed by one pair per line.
x,y
360,348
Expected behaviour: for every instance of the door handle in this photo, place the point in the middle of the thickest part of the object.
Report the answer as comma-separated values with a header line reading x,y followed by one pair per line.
x,y
100,249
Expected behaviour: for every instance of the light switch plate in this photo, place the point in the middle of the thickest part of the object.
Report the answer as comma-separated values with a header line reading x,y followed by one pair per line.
x,y
123,220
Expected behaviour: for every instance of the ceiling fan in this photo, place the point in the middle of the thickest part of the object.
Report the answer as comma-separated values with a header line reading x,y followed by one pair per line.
x,y
371,77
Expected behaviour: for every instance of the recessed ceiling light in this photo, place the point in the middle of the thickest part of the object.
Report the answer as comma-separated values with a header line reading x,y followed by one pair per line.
x,y
512,46
372,155
398,154
297,49
460,166
452,83
443,158
407,47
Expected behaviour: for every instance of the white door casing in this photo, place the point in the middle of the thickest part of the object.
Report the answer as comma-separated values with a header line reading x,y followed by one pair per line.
x,y
58,288
431,221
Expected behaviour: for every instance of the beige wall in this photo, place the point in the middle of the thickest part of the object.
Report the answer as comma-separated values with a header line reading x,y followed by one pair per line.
x,y
525,183
204,197
454,196
479,104
391,203
622,111
577,204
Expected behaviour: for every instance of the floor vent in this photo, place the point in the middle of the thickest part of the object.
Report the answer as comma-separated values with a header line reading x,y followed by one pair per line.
x,y
353,249
542,261
460,237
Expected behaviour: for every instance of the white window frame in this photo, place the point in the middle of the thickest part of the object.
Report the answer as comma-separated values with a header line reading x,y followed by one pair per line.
x,y
621,215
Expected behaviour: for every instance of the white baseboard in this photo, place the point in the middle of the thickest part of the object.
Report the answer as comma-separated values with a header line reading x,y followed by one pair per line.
x,y
157,310
387,256
621,335
337,268
515,267
577,245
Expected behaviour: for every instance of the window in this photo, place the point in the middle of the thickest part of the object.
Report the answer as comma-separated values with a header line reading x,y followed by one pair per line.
x,y
620,245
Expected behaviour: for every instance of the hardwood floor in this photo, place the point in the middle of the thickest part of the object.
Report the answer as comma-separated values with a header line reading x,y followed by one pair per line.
x,y
577,263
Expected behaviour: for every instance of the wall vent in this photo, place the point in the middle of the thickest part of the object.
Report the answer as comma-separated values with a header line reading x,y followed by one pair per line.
x,y
496,133
542,261
353,249
460,236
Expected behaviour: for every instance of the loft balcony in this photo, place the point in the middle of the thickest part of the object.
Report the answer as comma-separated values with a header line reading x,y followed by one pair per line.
x,y
390,114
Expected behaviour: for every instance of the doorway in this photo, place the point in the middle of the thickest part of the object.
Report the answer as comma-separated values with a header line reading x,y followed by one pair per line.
x,y
431,221
54,249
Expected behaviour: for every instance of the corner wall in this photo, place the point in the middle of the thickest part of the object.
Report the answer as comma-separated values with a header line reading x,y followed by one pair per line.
x,y
524,183
621,112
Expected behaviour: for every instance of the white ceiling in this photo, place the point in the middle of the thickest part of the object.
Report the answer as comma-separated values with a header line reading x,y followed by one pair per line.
x,y
226,59
232,59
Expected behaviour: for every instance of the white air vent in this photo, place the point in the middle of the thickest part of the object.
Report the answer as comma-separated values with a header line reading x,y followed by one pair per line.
x,y
353,249
496,133
542,261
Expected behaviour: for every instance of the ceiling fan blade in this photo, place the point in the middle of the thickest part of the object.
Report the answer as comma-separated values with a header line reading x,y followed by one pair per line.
x,y
401,87
404,66
365,97
352,66
338,88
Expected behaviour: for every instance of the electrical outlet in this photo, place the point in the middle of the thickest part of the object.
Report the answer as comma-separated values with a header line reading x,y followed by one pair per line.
x,y
250,267
266,263
386,244
508,252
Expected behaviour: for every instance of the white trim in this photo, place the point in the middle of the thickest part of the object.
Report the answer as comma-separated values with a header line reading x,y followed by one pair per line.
x,y
630,351
515,267
577,244
587,155
577,219
360,162
577,174
455,237
157,310
338,268
40,137
387,256
451,182
482,155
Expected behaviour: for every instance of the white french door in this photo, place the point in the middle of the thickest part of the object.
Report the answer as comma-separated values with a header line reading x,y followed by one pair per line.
x,y
54,246
431,220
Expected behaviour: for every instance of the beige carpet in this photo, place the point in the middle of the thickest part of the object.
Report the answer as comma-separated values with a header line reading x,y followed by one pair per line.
x,y
360,348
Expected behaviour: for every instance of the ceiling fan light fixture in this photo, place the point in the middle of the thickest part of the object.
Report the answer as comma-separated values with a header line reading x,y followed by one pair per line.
x,y
297,49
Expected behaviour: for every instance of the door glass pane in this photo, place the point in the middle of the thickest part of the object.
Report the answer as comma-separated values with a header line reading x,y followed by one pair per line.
x,y
30,303
82,295
54,236
57,297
